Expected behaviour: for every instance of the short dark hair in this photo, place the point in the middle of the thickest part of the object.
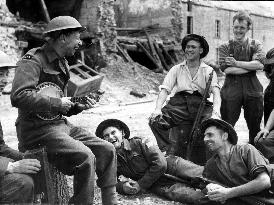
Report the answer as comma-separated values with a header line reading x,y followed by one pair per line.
x,y
241,16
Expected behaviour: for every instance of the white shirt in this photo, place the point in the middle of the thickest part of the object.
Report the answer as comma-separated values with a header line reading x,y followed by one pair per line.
x,y
179,77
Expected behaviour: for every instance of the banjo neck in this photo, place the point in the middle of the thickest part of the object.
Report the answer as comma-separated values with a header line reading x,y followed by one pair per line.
x,y
52,90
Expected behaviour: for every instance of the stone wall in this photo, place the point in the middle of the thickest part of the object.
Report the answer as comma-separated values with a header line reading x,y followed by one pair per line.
x,y
99,18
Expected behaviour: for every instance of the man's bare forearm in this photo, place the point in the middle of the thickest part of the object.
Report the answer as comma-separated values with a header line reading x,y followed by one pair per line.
x,y
250,65
257,185
161,99
270,122
235,70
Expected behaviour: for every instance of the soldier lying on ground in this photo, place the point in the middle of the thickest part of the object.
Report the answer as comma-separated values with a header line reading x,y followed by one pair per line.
x,y
16,186
140,159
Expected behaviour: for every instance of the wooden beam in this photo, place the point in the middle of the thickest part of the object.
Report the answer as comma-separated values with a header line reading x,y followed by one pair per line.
x,y
130,47
147,54
162,58
130,40
152,49
167,54
124,53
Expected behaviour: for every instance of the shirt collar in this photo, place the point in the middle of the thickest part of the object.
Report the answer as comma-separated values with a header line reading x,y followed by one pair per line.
x,y
202,64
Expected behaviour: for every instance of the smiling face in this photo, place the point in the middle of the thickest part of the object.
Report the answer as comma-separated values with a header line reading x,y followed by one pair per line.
x,y
72,43
240,28
193,50
214,138
114,136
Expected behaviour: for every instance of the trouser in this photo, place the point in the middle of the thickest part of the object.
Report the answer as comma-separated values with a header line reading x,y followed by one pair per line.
x,y
182,168
253,112
181,108
74,151
243,91
268,100
177,191
16,188
266,146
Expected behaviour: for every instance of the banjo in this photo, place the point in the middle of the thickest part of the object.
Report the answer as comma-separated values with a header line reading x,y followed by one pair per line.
x,y
52,90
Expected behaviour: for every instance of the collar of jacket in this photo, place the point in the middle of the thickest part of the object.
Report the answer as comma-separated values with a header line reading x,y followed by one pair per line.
x,y
50,53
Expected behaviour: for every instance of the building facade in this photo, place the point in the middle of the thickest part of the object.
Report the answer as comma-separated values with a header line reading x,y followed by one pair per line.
x,y
212,19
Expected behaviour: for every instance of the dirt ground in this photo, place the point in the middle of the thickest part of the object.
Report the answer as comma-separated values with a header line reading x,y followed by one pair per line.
x,y
118,82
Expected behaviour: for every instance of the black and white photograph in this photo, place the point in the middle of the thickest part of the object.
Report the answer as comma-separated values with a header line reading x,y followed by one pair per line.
x,y
136,102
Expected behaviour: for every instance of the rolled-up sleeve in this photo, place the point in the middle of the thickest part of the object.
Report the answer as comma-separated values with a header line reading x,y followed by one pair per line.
x,y
170,79
258,54
24,94
256,162
215,82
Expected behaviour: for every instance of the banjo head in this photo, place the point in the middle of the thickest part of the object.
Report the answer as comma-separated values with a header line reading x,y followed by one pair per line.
x,y
51,90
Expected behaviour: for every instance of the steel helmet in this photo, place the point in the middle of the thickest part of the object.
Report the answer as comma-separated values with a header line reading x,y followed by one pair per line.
x,y
5,60
62,23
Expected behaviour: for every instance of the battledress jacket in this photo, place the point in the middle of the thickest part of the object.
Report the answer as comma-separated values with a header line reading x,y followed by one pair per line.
x,y
141,160
7,155
37,66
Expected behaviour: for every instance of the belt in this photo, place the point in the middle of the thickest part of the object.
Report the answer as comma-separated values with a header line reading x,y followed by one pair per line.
x,y
249,74
184,93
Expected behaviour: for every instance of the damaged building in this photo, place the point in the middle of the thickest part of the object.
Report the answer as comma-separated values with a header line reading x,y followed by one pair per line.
x,y
144,31
130,26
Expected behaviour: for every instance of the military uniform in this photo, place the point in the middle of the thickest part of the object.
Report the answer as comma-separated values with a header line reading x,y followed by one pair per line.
x,y
243,90
14,187
73,150
141,160
266,146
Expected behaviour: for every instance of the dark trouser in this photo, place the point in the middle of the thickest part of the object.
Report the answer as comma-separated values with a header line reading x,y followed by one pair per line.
x,y
176,191
268,100
74,151
16,188
181,108
253,112
243,92
266,146
182,168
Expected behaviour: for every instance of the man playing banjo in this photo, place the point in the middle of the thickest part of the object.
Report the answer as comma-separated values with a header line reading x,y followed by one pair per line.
x,y
73,150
